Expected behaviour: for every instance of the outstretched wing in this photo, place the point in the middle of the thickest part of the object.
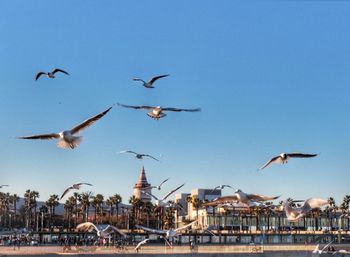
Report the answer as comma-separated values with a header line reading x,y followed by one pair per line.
x,y
260,198
128,151
137,107
165,180
66,192
300,155
149,194
276,159
313,203
181,110
172,191
151,230
186,226
59,70
82,183
43,136
89,122
113,228
152,80
222,200
39,74
150,156
86,226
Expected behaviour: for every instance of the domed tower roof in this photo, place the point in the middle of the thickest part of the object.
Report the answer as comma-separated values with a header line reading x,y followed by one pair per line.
x,y
142,181
142,186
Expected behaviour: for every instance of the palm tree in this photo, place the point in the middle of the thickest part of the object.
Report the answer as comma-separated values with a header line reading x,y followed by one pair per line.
x,y
51,204
330,211
110,203
97,202
344,207
117,199
14,200
30,203
69,208
85,204
135,202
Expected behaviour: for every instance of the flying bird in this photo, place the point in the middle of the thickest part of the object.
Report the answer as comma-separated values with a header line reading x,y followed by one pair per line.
x,y
139,155
74,186
67,138
149,84
159,187
250,200
283,158
141,243
167,234
1,186
105,232
295,214
157,112
220,187
161,202
50,74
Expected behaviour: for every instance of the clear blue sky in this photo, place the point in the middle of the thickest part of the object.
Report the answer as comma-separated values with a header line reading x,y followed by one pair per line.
x,y
270,77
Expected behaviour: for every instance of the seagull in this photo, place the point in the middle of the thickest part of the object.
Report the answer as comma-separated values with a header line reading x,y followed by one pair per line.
x,y
283,158
161,202
89,227
50,74
250,200
159,187
167,234
139,155
1,186
220,187
157,112
317,249
149,84
67,138
295,214
141,243
74,186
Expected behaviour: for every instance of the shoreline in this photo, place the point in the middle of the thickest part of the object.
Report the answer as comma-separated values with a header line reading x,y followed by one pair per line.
x,y
176,251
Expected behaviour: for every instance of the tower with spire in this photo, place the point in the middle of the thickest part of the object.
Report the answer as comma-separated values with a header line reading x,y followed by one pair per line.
x,y
142,185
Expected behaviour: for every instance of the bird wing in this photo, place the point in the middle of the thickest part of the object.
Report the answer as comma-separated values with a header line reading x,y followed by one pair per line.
x,y
221,200
326,246
313,203
276,159
152,80
165,180
43,136
300,155
137,107
86,226
113,228
89,122
186,226
181,110
66,191
150,156
260,198
228,186
82,183
172,191
128,151
39,74
149,194
4,185
59,70
214,189
151,230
